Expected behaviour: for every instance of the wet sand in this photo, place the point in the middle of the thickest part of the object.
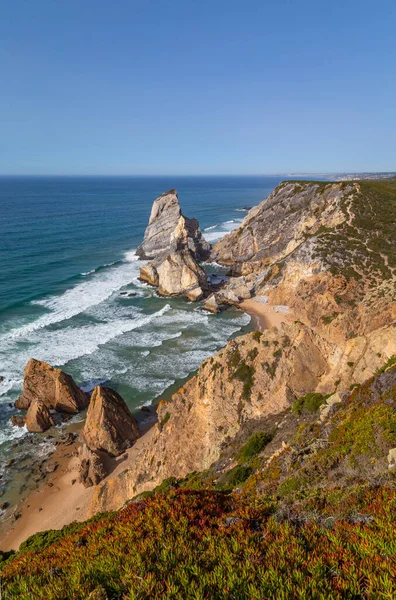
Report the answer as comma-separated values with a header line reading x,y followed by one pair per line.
x,y
58,500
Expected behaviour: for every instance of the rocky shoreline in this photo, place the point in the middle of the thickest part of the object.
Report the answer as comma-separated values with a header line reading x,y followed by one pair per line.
x,y
325,312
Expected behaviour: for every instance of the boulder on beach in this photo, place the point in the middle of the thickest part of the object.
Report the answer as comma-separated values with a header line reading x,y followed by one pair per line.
x,y
212,305
195,294
18,420
148,273
52,386
38,417
92,469
170,231
109,425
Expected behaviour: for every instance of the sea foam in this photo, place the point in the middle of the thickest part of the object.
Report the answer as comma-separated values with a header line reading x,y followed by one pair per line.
x,y
81,297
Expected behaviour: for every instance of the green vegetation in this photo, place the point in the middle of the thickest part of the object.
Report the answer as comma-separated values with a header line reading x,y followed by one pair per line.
x,y
363,245
185,544
329,318
235,477
164,421
255,444
288,486
389,363
245,374
310,402
252,354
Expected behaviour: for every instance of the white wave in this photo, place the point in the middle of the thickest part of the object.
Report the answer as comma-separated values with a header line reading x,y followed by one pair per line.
x,y
88,272
222,229
90,385
107,265
211,227
81,297
214,264
63,345
131,256
147,339
7,385
11,432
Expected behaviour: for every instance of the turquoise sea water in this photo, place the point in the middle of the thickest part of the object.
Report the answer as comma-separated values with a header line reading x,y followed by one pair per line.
x,y
67,254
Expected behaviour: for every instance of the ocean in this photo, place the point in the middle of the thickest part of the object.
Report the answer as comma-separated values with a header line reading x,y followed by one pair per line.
x,y
67,256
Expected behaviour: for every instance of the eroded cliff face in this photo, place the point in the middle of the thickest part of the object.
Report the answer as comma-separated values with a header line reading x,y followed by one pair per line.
x,y
325,253
324,250
254,376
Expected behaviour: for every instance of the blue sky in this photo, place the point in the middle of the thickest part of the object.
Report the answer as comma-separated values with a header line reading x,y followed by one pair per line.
x,y
197,87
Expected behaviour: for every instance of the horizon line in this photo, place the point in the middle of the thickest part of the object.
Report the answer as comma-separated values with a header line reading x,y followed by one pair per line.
x,y
279,174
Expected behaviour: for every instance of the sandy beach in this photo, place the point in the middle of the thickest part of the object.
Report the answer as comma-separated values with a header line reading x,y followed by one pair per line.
x,y
264,315
60,498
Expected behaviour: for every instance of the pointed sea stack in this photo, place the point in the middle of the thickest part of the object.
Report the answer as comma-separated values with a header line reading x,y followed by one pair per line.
x,y
54,388
109,425
169,231
174,245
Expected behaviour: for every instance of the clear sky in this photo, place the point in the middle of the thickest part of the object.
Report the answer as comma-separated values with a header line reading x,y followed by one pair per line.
x,y
197,86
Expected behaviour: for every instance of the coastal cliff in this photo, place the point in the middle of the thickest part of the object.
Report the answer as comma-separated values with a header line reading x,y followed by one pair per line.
x,y
308,251
284,421
323,251
310,517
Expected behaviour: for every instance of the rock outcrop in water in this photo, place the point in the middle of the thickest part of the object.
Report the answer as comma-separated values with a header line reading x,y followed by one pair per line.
x,y
176,274
51,386
175,245
109,425
169,231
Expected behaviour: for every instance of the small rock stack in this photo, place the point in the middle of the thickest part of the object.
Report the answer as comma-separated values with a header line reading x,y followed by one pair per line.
x,y
109,427
44,389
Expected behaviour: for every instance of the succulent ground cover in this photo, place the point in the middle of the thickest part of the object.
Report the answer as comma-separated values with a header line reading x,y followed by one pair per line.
x,y
205,544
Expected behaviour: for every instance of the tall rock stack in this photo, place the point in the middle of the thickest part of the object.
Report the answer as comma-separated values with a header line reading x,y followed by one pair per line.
x,y
109,430
174,245
109,425
169,231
